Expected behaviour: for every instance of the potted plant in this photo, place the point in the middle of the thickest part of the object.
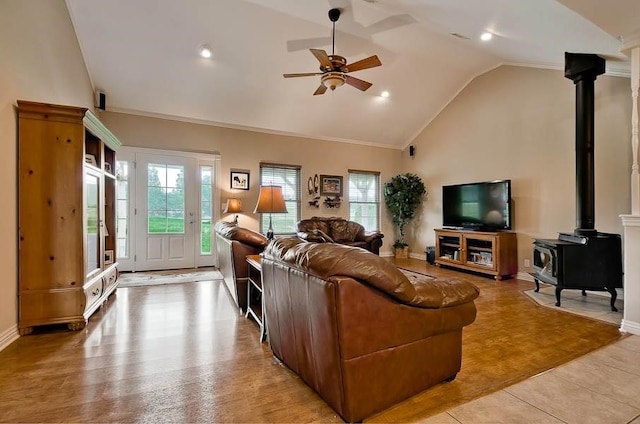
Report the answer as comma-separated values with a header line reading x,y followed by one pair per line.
x,y
403,195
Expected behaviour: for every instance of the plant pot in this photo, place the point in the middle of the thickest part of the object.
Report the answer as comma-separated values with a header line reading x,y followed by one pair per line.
x,y
402,252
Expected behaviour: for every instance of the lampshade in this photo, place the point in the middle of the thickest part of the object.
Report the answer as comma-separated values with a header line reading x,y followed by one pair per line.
x,y
332,80
233,206
270,200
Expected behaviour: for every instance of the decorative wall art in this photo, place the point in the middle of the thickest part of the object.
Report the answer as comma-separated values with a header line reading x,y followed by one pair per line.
x,y
313,187
331,185
239,180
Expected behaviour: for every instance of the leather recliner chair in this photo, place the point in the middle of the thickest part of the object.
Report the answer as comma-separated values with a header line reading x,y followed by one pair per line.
x,y
233,245
355,329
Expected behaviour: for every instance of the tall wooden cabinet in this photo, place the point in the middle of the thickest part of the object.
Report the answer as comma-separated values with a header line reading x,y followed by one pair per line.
x,y
66,218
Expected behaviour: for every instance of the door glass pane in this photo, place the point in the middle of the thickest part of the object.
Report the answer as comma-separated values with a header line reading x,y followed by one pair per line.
x,y
205,209
166,203
92,194
122,209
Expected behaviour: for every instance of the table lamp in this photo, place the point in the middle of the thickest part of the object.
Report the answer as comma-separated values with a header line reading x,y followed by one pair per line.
x,y
233,206
270,200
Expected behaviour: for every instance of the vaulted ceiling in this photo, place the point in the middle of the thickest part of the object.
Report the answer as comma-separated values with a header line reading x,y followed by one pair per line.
x,y
144,55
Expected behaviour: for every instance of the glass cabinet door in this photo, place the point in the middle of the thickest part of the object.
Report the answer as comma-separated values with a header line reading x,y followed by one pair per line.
x,y
92,224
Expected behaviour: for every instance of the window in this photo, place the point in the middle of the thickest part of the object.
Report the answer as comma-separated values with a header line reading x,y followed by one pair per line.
x,y
287,177
364,199
206,208
122,208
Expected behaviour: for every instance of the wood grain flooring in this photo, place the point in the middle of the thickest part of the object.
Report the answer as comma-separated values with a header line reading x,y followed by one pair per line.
x,y
181,353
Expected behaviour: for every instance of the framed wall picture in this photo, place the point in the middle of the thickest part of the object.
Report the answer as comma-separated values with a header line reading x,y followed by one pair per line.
x,y
331,185
239,180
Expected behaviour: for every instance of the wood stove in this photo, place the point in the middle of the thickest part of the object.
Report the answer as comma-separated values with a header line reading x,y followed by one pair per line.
x,y
585,259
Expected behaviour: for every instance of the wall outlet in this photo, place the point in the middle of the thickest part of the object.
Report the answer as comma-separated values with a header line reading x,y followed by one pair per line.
x,y
527,263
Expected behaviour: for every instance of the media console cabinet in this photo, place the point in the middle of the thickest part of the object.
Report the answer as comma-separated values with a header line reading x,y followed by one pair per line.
x,y
493,253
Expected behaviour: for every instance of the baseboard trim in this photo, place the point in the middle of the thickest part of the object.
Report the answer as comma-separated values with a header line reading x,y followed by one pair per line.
x,y
627,326
9,336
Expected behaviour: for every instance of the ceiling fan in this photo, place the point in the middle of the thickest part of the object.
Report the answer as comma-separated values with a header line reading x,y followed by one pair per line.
x,y
334,68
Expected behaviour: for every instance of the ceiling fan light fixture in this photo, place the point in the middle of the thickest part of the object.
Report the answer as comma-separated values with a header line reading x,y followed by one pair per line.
x,y
332,80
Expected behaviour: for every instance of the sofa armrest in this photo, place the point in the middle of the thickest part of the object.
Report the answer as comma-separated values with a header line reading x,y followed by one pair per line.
x,y
244,235
369,236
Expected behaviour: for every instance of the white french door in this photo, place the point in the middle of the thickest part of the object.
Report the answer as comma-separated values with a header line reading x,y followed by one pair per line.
x,y
170,206
165,212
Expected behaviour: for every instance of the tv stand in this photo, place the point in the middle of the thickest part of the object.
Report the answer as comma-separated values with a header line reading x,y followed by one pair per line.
x,y
487,252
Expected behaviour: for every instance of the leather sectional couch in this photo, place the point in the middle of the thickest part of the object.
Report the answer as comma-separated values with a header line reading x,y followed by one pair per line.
x,y
233,245
339,230
356,329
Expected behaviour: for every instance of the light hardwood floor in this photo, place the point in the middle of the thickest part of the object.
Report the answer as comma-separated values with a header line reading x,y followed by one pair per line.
x,y
181,353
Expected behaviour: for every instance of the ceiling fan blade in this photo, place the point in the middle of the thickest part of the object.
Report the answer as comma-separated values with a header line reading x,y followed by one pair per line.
x,y
322,57
305,74
320,90
357,83
370,62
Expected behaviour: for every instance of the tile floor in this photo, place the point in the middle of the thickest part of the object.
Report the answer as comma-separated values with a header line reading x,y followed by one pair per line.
x,y
595,305
602,387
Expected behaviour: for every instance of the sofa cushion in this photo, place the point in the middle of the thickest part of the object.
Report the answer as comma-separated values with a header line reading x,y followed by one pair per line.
x,y
332,260
321,237
343,231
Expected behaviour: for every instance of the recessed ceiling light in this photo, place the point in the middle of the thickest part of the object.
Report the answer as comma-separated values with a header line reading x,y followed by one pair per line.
x,y
384,94
486,36
205,51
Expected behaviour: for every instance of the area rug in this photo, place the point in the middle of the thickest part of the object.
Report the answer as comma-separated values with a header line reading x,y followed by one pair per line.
x,y
152,278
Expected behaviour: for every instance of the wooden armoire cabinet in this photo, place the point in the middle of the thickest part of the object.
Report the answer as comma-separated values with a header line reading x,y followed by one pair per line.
x,y
66,220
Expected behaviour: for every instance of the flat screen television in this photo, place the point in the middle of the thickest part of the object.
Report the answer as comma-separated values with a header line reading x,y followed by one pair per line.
x,y
478,206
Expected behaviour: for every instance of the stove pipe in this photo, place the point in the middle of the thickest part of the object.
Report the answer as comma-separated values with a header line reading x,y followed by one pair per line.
x,y
583,69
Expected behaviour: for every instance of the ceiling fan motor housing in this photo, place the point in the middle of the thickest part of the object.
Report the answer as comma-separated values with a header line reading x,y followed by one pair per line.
x,y
337,63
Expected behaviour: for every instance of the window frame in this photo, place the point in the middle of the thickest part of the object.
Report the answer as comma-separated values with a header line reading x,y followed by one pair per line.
x,y
293,197
376,203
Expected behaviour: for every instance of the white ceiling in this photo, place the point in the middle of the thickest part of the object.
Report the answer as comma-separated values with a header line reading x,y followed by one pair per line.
x,y
144,55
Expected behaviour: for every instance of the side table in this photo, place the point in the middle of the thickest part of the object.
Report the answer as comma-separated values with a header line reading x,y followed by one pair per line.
x,y
255,304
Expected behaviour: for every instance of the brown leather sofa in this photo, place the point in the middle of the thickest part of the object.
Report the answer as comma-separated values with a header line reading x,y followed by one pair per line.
x,y
233,245
356,329
339,230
